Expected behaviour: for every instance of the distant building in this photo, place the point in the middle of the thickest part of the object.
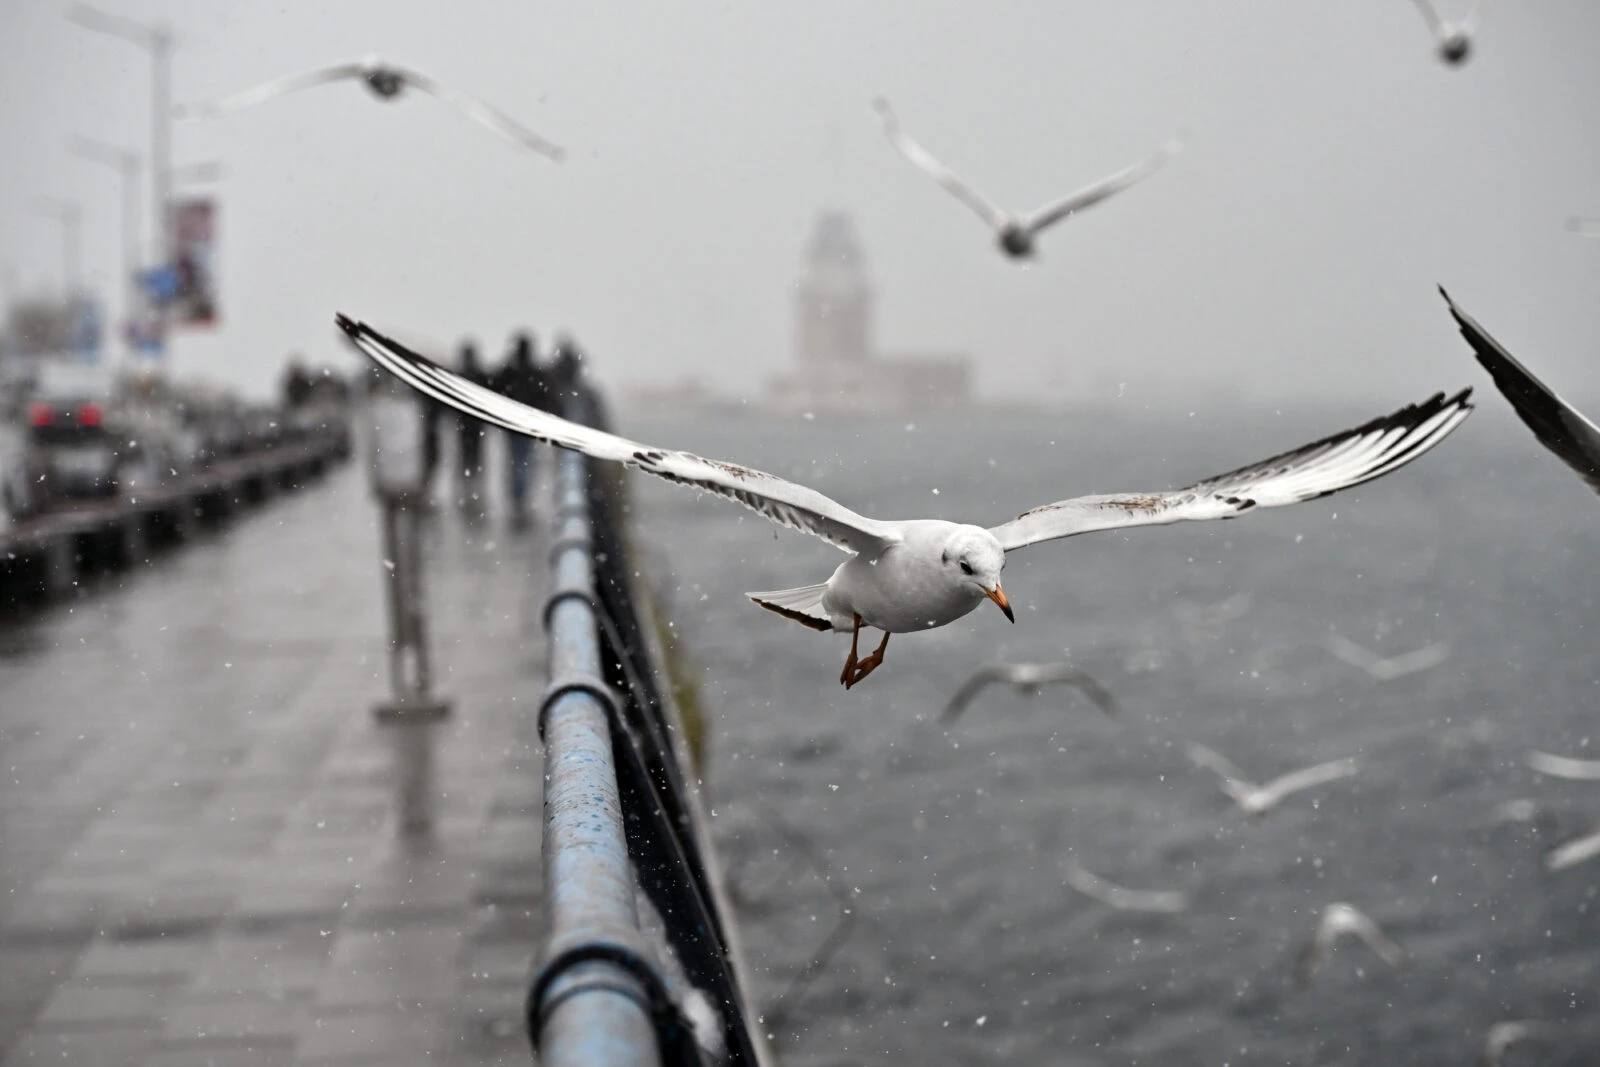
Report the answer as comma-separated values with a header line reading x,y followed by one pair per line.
x,y
837,366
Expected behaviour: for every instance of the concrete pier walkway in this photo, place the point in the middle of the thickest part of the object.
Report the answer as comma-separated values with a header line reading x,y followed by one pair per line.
x,y
201,860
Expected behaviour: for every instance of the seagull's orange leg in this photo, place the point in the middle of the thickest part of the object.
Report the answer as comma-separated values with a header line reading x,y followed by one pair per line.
x,y
870,664
850,660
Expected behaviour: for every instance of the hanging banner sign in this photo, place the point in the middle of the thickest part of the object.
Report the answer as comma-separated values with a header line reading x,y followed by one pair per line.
x,y
194,251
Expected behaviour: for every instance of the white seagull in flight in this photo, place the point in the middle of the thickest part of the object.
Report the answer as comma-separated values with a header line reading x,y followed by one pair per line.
x,y
1257,800
386,81
1387,669
1558,425
1017,232
1339,921
909,575
1028,677
1120,897
1453,39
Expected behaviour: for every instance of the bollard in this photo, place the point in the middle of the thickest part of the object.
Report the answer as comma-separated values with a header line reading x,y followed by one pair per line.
x,y
398,481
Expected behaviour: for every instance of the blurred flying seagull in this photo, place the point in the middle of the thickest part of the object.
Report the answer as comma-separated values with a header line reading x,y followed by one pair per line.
x,y
1584,227
1120,897
1523,810
1453,40
386,81
1558,425
1387,670
1017,232
1257,800
1338,921
1571,853
909,575
1581,770
1027,678
1502,1036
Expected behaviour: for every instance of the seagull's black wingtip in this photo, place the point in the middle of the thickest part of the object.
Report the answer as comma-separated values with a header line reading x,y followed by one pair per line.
x,y
350,326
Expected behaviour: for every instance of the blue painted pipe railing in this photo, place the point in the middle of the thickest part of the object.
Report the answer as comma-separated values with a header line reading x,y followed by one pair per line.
x,y
622,824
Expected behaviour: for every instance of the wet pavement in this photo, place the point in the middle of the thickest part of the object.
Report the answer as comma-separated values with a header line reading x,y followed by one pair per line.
x,y
203,860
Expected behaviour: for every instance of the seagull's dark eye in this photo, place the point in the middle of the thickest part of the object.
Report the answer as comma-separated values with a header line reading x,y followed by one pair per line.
x,y
966,568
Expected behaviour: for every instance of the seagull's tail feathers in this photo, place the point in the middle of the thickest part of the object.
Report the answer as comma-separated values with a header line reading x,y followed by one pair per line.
x,y
803,605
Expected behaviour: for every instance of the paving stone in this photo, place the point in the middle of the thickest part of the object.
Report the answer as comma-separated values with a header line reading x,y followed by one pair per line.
x,y
147,959
103,1002
117,1047
233,1020
259,1054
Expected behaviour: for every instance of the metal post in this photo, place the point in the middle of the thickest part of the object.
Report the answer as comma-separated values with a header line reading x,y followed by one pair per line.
x,y
592,1013
70,214
126,161
156,40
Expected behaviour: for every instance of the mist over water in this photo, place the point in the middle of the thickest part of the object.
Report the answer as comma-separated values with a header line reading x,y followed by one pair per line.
x,y
969,948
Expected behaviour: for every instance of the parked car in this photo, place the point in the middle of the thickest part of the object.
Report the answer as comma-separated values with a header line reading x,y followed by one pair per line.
x,y
81,444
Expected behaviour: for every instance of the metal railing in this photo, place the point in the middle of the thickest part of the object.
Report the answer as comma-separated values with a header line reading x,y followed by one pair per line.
x,y
623,831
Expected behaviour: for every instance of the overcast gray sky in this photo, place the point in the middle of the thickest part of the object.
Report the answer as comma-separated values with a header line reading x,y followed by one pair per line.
x,y
1335,172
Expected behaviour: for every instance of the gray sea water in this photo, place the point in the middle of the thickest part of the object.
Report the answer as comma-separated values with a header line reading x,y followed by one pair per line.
x,y
951,844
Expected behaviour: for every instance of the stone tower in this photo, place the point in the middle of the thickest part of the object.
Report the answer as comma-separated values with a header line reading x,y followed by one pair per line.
x,y
834,298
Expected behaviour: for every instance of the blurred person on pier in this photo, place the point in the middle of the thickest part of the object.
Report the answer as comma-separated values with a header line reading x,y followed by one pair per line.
x,y
521,378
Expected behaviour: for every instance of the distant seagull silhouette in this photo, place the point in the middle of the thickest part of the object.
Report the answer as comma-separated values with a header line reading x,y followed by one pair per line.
x,y
386,81
1338,921
1581,770
1257,800
1502,1036
1571,853
1453,40
1017,232
1520,809
1584,227
1558,425
1120,897
1387,670
1027,678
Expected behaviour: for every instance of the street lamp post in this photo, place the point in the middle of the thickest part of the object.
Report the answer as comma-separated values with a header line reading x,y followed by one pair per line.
x,y
70,214
126,161
156,40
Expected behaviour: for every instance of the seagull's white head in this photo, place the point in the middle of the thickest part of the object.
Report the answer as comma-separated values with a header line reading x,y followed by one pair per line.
x,y
972,560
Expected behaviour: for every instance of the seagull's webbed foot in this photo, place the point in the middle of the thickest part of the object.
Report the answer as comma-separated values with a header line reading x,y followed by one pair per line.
x,y
847,676
858,670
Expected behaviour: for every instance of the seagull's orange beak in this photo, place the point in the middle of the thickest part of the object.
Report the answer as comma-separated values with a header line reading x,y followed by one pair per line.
x,y
999,597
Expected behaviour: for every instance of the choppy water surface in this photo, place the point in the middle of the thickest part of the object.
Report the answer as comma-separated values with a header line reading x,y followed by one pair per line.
x,y
968,947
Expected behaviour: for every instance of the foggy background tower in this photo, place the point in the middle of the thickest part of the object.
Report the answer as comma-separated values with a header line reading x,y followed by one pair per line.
x,y
834,299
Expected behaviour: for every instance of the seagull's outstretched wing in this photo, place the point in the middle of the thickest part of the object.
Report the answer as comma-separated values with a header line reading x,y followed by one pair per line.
x,y
1346,459
1502,1036
940,173
1082,681
1122,898
979,679
269,90
1574,852
1435,23
1298,781
1214,761
782,502
484,115
1100,190
1580,770
1557,424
